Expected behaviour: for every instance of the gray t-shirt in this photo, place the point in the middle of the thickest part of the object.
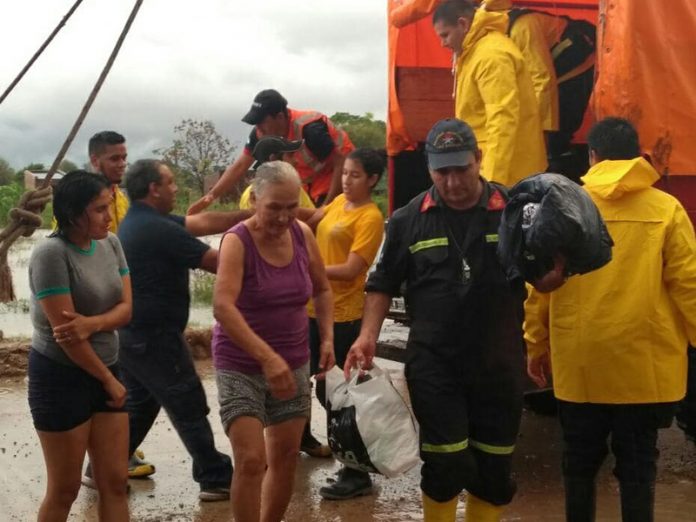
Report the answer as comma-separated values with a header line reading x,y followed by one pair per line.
x,y
94,280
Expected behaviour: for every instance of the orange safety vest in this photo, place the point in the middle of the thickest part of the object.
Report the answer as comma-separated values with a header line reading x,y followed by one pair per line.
x,y
316,175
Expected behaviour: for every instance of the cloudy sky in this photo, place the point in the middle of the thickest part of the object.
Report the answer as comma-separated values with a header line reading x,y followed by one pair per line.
x,y
202,59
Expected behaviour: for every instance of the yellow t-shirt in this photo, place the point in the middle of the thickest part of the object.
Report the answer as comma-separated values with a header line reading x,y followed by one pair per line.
x,y
244,204
339,233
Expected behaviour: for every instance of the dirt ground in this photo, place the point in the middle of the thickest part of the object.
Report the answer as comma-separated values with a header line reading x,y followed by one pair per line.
x,y
171,495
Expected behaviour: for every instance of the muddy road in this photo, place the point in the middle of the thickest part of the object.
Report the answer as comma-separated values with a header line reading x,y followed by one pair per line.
x,y
171,495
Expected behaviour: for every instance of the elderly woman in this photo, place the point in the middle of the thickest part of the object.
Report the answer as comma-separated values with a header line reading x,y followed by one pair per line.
x,y
80,294
269,267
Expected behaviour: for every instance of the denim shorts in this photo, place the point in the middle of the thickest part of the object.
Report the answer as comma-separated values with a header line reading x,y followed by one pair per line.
x,y
244,395
63,397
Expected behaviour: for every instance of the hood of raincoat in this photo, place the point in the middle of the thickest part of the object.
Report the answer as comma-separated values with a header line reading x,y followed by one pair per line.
x,y
611,179
484,22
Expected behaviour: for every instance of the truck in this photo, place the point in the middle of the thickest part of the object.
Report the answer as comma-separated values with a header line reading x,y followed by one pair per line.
x,y
644,71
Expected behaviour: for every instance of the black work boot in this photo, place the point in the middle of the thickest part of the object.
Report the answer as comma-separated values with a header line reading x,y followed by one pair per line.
x,y
351,483
580,499
637,501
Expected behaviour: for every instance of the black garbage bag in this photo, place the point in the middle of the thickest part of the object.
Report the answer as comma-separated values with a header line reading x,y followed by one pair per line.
x,y
345,440
547,215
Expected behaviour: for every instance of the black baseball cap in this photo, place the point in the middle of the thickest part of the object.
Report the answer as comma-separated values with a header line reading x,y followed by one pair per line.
x,y
269,145
450,143
267,102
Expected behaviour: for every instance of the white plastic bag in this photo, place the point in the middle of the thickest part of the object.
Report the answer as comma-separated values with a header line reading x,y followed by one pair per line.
x,y
370,425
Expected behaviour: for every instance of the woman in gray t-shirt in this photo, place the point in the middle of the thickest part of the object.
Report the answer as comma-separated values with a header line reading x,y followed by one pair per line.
x,y
80,295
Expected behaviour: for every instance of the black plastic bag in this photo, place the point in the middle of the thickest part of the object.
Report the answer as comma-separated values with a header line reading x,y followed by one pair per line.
x,y
547,215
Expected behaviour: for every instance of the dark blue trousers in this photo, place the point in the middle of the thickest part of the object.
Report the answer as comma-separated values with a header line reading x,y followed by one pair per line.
x,y
158,372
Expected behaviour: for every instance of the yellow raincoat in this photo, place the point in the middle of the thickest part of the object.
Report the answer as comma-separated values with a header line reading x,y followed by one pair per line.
x,y
494,94
618,335
534,35
118,208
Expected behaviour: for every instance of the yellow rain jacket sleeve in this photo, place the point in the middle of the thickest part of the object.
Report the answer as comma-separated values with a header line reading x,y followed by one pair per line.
x,y
494,94
528,35
118,208
619,335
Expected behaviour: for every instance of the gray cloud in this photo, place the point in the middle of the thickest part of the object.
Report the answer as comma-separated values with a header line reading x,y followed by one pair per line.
x,y
202,60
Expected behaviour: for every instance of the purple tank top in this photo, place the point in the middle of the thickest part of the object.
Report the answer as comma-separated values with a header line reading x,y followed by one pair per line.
x,y
273,301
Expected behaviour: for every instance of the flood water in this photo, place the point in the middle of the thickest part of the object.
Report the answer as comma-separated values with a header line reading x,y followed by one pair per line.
x,y
14,317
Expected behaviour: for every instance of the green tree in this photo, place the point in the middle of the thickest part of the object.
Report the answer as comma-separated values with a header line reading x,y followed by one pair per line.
x,y
198,151
67,165
7,173
364,131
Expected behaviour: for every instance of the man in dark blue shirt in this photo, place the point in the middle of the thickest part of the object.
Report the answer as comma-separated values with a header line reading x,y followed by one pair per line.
x,y
157,367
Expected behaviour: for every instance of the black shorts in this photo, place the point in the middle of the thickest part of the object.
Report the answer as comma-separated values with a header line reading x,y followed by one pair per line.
x,y
63,397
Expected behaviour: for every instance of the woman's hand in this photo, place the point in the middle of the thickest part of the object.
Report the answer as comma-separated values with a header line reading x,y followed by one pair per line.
x,y
79,328
327,359
280,378
116,391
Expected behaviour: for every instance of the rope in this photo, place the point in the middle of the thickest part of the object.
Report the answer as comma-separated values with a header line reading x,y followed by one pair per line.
x,y
92,96
41,50
25,218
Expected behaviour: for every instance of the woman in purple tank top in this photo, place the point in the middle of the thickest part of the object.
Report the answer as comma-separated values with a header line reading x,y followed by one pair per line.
x,y
269,266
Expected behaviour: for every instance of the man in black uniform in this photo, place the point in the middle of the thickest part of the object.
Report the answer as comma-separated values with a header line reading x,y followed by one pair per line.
x,y
464,357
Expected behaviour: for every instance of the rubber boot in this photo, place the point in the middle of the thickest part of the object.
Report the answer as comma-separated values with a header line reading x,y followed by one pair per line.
x,y
434,511
637,501
478,510
580,499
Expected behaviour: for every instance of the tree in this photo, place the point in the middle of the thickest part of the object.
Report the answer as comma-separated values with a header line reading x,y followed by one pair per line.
x,y
198,151
364,131
7,173
67,166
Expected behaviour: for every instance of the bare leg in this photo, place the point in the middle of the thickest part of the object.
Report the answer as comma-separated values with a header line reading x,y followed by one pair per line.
x,y
108,453
64,452
282,445
246,437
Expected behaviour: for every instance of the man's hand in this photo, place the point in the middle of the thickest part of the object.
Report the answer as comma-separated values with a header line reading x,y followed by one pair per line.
x,y
360,355
539,368
280,378
200,205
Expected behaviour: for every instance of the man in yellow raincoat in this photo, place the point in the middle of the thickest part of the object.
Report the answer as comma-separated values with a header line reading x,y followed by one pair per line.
x,y
493,91
616,338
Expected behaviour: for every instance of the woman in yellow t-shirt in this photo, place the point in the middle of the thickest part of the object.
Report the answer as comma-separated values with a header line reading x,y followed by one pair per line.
x,y
349,236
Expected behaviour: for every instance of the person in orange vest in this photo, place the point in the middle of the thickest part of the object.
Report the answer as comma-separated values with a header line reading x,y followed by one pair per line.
x,y
319,161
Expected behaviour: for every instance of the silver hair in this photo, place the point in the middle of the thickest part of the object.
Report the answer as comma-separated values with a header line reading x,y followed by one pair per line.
x,y
273,173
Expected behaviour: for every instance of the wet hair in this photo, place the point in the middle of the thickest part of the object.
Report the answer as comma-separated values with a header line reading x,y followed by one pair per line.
x,y
140,175
101,140
452,10
373,161
73,193
614,139
273,173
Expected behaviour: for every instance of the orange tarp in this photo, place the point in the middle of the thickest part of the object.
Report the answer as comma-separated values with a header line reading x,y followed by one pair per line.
x,y
647,73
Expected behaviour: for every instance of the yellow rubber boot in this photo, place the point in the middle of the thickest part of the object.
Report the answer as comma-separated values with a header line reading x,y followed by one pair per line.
x,y
434,511
478,510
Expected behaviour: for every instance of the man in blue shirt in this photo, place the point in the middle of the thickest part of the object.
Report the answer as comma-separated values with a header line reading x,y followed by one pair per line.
x,y
157,367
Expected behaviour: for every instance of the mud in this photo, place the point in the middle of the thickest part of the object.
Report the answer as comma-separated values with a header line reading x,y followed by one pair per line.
x,y
171,495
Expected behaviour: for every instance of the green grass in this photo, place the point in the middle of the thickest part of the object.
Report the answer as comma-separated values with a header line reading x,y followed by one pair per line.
x,y
202,284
